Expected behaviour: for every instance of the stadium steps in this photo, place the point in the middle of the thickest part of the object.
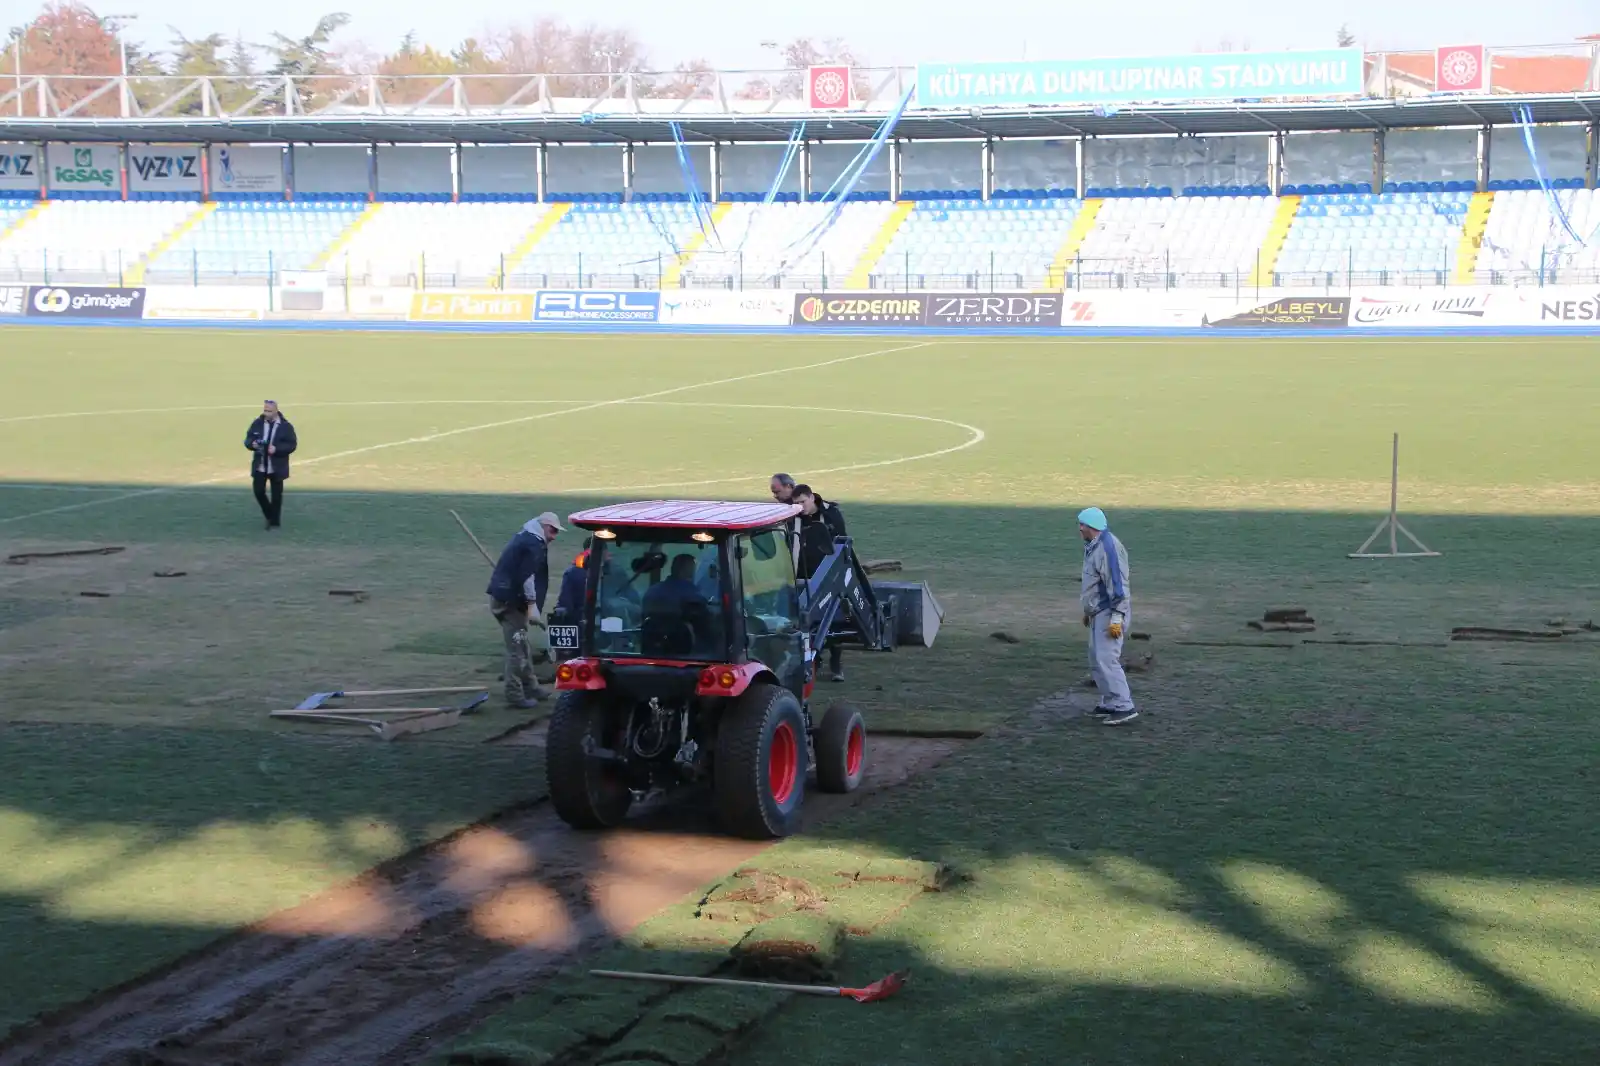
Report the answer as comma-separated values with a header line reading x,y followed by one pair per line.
x,y
23,219
861,276
1055,276
530,240
1272,244
136,273
321,262
1472,230
670,277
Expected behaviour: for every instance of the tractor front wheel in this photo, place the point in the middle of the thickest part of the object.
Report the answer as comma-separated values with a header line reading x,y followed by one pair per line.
x,y
841,749
760,773
586,792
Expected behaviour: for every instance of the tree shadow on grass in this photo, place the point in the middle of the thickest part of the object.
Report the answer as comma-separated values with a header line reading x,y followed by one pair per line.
x,y
1406,834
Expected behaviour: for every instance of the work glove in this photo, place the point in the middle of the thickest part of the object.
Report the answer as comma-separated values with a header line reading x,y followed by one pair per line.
x,y
1114,630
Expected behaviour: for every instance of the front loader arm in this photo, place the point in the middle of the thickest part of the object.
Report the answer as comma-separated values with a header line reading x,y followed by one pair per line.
x,y
841,584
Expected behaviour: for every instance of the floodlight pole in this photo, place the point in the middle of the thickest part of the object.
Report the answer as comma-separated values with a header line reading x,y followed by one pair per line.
x,y
1392,523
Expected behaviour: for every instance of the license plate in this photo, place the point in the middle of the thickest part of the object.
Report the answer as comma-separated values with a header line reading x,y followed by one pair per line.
x,y
564,637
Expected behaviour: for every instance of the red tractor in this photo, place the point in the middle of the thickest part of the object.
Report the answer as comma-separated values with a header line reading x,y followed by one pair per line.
x,y
693,660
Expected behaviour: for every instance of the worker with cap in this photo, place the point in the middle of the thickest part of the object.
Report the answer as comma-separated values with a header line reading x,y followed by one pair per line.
x,y
516,591
1107,614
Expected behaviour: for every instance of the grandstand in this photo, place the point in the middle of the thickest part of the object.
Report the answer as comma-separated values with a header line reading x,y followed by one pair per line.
x,y
1398,189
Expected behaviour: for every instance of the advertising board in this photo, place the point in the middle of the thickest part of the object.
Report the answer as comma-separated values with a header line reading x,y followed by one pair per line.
x,y
84,301
471,307
246,168
13,299
823,309
84,168
21,167
575,305
1144,79
1394,308
937,310
207,302
163,168
726,308
1297,312
1566,306
993,309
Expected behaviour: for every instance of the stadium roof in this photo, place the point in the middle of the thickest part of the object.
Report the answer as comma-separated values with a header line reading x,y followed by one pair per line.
x,y
617,125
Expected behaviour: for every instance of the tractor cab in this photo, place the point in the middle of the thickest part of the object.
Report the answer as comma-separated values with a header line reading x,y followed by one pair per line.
x,y
693,657
689,585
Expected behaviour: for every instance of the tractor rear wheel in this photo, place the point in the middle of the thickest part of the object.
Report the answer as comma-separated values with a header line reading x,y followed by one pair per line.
x,y
841,749
587,793
760,772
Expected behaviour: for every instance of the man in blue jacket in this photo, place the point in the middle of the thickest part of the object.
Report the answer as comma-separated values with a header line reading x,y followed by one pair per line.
x,y
272,439
516,591
1107,614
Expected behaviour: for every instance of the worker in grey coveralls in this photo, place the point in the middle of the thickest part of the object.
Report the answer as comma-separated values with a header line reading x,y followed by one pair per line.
x,y
1107,614
516,593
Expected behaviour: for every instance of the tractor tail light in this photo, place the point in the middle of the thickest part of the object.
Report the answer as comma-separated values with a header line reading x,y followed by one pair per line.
x,y
726,679
584,672
708,678
564,672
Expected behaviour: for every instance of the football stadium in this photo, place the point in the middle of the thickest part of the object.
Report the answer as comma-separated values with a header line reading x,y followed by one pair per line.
x,y
1079,559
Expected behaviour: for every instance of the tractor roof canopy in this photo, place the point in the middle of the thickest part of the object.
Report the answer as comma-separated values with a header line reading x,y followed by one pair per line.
x,y
686,514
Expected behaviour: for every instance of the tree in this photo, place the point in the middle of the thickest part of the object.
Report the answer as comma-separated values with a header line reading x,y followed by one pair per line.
x,y
1345,38
69,39
308,56
411,73
693,80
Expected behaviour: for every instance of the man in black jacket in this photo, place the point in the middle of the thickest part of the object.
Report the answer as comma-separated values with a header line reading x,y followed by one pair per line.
x,y
272,439
820,522
516,591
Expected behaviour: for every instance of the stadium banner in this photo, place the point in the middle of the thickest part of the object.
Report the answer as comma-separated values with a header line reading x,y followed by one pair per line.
x,y
413,168
1155,79
1555,306
471,307
984,310
592,305
1294,312
937,310
332,168
13,299
164,168
822,309
246,168
1135,310
1431,307
686,308
21,167
84,168
84,301
207,303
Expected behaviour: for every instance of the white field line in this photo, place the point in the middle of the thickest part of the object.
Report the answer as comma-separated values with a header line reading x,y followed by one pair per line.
x,y
975,436
212,408
431,437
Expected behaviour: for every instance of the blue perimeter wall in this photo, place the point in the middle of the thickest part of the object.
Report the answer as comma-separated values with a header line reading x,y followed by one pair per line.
x,y
311,325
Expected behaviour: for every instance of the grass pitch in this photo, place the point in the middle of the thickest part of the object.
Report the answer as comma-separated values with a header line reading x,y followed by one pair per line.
x,y
1380,853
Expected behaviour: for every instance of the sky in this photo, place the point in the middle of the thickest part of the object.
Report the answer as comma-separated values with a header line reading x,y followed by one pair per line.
x,y
729,32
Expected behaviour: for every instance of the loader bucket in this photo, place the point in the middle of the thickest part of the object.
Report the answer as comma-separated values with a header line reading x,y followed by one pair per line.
x,y
917,613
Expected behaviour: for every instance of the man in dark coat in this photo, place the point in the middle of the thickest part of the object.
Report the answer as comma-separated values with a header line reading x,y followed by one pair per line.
x,y
516,591
272,439
820,522
569,601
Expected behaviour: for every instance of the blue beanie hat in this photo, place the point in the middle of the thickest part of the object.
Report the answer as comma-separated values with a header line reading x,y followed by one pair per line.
x,y
1094,518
